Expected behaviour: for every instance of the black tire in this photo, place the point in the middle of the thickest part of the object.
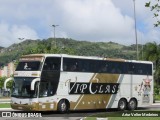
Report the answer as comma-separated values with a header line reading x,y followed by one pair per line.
x,y
132,104
122,104
63,106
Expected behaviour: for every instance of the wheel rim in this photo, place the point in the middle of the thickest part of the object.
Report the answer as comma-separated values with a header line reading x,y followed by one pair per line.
x,y
63,106
132,104
122,105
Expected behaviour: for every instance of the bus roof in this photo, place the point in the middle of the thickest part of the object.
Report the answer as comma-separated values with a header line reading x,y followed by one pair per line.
x,y
71,56
84,57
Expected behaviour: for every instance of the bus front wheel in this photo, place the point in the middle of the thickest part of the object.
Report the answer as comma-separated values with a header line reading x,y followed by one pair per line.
x,y
122,104
63,106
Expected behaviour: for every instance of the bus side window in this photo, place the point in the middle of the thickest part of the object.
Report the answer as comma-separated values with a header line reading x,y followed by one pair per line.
x,y
139,69
64,67
70,64
54,67
45,66
103,67
52,63
112,67
73,68
130,67
85,65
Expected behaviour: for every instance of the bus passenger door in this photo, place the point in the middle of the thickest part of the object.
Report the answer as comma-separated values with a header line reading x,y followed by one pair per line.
x,y
51,74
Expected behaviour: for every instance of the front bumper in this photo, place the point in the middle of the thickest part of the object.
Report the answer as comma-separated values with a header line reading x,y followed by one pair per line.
x,y
35,107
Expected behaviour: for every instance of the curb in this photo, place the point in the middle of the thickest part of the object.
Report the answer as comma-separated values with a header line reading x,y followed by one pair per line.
x,y
6,109
1,100
156,104
157,101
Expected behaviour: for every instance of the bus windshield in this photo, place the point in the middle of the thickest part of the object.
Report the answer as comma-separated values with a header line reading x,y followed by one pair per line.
x,y
29,66
22,88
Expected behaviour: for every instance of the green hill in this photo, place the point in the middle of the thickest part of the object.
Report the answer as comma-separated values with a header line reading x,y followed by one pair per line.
x,y
1,48
66,46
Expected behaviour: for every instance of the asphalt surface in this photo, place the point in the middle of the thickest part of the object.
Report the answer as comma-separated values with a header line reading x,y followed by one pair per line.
x,y
73,115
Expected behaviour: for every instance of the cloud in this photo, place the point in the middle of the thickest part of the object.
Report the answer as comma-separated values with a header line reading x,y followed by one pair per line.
x,y
10,34
146,30
97,20
23,31
5,37
94,20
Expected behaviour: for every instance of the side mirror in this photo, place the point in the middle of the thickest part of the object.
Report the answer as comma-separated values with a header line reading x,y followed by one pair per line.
x,y
33,83
5,82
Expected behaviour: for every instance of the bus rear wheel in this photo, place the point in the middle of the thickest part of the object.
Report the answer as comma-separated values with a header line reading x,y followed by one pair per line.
x,y
132,104
63,106
122,104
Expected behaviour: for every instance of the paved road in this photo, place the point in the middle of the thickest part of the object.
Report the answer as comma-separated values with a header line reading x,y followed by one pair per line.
x,y
75,115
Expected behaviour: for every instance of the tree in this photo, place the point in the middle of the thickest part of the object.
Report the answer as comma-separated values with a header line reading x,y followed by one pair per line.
x,y
155,7
9,83
2,79
152,53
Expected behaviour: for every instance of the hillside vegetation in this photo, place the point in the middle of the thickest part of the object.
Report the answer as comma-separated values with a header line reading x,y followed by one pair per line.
x,y
66,46
150,52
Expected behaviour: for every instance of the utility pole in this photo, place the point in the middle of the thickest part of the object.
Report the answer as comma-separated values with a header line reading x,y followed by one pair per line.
x,y
135,29
54,26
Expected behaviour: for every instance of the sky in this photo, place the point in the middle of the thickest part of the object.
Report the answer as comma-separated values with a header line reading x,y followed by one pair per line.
x,y
90,20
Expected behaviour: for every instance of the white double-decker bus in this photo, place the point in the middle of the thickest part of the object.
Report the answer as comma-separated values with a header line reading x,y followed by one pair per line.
x,y
58,82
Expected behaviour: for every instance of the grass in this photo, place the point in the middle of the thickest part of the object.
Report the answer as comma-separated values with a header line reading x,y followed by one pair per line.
x,y
157,97
5,105
132,115
5,97
125,118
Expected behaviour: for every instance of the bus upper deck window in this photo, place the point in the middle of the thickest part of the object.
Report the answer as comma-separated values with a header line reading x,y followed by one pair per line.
x,y
73,67
64,67
52,63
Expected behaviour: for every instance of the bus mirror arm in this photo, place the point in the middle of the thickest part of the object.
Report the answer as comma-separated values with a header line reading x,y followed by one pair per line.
x,y
33,83
6,81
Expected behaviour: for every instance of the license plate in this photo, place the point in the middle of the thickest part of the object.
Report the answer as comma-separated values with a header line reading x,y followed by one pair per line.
x,y
19,107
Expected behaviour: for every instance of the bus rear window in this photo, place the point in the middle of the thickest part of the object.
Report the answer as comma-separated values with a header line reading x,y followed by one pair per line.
x,y
29,66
